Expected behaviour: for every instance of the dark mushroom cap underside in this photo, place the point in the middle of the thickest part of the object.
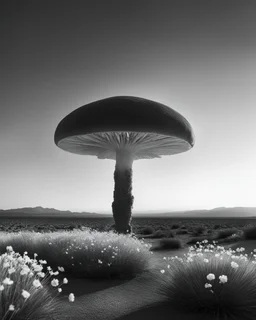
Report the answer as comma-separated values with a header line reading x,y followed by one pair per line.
x,y
104,145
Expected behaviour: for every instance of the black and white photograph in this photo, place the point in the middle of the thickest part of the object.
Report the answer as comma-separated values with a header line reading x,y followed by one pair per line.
x,y
128,160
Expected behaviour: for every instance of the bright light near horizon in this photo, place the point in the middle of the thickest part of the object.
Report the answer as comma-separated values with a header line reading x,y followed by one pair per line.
x,y
167,184
232,186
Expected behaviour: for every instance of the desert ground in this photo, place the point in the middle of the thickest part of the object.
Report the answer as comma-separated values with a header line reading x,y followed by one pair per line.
x,y
139,296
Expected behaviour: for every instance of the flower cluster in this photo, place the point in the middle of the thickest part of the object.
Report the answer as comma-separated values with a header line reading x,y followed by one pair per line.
x,y
20,278
88,252
206,278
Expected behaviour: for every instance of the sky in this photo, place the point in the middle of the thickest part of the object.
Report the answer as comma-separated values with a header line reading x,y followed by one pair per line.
x,y
195,56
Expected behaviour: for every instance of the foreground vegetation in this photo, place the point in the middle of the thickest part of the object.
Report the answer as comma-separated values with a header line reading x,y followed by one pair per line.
x,y
26,287
86,254
209,279
212,280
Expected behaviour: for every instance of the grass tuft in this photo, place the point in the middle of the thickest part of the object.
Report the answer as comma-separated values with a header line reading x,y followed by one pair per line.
x,y
159,234
249,233
86,254
198,231
147,230
194,240
24,289
175,226
211,280
181,232
225,233
170,244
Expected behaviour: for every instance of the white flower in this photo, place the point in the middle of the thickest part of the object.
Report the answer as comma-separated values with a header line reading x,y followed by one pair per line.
x,y
61,269
8,281
223,279
37,283
207,285
162,271
11,307
71,297
59,289
210,276
11,270
20,259
1,287
65,280
43,261
206,260
99,261
24,270
25,294
234,265
41,274
38,268
6,265
55,282
9,248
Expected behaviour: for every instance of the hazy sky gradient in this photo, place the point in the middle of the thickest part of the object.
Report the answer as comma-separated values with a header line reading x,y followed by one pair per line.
x,y
198,57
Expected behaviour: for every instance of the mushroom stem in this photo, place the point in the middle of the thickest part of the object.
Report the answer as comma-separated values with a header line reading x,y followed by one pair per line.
x,y
123,198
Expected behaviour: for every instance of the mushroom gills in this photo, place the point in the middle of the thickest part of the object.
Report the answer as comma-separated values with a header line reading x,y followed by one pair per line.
x,y
142,145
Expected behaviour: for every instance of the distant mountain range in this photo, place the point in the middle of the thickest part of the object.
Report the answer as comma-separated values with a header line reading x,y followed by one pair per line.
x,y
40,211
224,212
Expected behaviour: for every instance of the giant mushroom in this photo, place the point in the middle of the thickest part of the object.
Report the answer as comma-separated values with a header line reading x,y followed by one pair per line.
x,y
124,129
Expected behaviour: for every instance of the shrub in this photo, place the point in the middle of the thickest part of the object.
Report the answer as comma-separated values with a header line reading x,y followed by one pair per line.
x,y
86,254
249,233
183,227
232,239
194,240
175,226
211,280
226,233
198,230
147,230
216,226
180,232
160,234
167,243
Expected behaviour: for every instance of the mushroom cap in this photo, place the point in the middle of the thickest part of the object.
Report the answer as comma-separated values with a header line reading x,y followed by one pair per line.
x,y
143,127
